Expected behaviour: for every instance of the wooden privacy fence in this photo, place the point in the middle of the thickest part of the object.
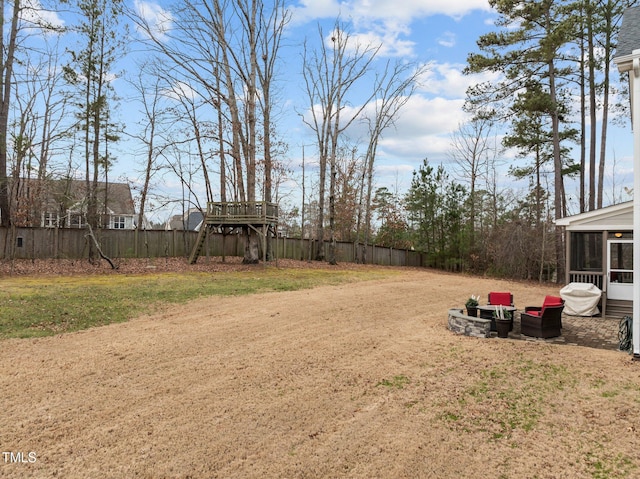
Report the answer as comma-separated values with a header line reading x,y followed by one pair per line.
x,y
69,243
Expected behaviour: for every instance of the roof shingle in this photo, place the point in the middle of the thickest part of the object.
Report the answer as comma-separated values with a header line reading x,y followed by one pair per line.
x,y
629,37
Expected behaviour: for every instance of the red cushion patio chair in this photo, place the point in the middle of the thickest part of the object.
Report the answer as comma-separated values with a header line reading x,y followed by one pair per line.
x,y
497,298
548,301
546,323
500,298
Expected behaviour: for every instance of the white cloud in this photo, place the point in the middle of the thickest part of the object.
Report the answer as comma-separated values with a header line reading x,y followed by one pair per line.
x,y
392,39
34,13
447,39
403,11
158,20
448,80
422,129
308,10
427,116
407,10
389,170
385,21
390,43
396,177
180,90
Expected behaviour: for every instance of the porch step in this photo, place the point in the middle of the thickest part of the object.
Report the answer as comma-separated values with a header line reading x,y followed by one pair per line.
x,y
619,309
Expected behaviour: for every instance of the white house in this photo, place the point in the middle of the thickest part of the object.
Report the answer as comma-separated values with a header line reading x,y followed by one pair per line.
x,y
627,60
63,203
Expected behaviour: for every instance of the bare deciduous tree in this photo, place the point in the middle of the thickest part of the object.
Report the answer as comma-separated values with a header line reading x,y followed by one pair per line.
x,y
270,35
472,149
226,50
393,89
330,74
150,89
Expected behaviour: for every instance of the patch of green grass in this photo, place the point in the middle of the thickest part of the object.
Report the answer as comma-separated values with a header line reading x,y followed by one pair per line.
x,y
34,307
507,397
602,465
449,416
398,382
610,394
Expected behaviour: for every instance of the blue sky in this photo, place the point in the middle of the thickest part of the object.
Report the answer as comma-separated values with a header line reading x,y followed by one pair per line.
x,y
439,33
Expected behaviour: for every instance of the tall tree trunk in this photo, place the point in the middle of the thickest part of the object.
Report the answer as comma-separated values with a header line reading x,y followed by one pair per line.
x,y
251,252
6,73
605,103
267,166
583,120
331,258
558,183
592,107
371,154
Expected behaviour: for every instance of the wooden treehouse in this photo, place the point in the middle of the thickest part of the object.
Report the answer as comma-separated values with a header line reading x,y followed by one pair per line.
x,y
225,218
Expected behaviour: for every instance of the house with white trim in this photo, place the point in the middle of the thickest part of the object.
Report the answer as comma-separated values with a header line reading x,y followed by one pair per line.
x,y
599,250
627,60
63,203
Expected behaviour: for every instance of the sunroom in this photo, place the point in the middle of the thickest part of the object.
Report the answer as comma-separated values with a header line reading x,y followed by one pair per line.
x,y
600,251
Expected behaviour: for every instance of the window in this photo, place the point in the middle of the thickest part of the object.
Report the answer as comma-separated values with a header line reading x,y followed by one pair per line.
x,y
118,222
586,251
50,220
76,221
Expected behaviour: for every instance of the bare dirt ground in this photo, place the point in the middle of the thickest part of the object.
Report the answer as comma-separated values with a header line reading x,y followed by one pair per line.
x,y
361,380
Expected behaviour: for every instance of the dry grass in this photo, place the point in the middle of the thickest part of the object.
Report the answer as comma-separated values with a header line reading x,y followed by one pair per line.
x,y
361,380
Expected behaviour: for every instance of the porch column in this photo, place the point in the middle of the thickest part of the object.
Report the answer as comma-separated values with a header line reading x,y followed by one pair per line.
x,y
635,113
628,60
567,255
604,271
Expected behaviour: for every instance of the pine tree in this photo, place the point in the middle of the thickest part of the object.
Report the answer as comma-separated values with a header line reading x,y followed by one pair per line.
x,y
91,72
530,46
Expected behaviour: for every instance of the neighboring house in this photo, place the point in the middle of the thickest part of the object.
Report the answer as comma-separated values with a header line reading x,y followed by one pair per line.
x,y
62,203
191,220
600,251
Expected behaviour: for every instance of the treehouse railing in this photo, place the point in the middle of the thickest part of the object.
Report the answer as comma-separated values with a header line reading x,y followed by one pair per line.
x,y
243,212
260,216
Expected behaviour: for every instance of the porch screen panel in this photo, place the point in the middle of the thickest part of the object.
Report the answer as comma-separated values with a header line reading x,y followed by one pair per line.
x,y
586,252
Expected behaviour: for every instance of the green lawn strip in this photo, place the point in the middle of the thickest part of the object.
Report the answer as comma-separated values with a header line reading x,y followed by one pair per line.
x,y
34,307
506,397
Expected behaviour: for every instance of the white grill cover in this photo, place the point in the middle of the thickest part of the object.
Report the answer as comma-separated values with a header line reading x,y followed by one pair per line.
x,y
581,299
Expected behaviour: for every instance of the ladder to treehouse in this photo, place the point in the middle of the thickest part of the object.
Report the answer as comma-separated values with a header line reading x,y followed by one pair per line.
x,y
197,248
260,216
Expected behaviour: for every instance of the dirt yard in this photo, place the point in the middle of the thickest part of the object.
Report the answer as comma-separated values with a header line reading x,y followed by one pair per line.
x,y
361,380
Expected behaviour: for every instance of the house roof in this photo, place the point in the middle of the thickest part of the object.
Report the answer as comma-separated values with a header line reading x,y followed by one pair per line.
x,y
628,42
189,221
55,195
117,195
629,36
615,217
